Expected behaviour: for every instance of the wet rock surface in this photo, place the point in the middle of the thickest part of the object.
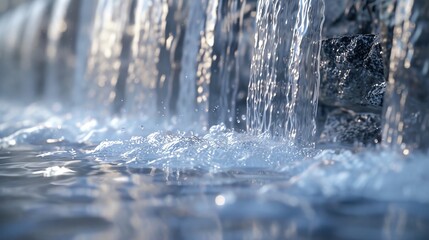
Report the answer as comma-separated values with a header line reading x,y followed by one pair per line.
x,y
348,127
344,17
354,68
352,73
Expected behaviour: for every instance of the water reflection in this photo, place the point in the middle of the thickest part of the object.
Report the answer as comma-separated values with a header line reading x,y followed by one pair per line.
x,y
102,200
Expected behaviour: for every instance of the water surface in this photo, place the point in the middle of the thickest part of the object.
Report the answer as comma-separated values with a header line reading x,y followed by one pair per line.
x,y
62,176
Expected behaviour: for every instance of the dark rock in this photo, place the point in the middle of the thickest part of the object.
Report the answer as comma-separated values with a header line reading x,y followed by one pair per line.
x,y
345,17
352,73
348,127
322,114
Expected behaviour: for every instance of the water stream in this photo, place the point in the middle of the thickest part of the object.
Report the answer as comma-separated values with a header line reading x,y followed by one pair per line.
x,y
406,114
284,86
175,119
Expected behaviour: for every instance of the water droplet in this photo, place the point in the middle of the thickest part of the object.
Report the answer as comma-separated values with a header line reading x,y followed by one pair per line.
x,y
220,200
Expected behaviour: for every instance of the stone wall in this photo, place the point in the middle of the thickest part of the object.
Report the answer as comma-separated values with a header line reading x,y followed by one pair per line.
x,y
353,74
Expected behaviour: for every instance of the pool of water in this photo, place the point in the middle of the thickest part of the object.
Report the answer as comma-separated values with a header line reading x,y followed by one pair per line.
x,y
64,176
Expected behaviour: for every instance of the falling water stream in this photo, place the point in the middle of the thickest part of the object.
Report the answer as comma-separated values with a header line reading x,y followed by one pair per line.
x,y
283,92
126,119
192,51
407,114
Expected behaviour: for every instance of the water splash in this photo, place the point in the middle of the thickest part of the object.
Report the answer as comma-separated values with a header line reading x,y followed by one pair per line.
x,y
55,171
382,175
131,169
283,91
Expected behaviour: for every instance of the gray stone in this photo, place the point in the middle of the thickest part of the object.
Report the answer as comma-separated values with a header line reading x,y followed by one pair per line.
x,y
345,17
348,127
352,73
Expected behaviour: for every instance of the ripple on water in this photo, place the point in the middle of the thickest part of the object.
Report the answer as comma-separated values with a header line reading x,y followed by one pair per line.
x,y
123,184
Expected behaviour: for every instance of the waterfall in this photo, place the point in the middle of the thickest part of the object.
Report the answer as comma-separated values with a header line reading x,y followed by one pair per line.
x,y
59,51
169,60
148,32
104,61
231,62
191,46
283,90
22,53
189,64
205,63
31,48
10,54
85,24
196,63
406,123
185,61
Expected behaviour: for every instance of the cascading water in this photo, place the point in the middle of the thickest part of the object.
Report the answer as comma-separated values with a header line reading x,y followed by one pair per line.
x,y
111,19
58,63
283,90
191,46
196,62
149,32
122,119
85,23
231,60
29,64
10,52
25,41
407,113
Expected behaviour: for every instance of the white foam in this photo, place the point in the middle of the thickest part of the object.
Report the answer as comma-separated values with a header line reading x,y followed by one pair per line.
x,y
55,171
369,173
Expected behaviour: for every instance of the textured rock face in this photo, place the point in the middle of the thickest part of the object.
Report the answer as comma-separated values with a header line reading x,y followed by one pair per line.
x,y
352,73
343,17
348,127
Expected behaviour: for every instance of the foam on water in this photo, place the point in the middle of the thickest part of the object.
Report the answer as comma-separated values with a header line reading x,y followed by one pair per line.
x,y
75,169
380,175
55,171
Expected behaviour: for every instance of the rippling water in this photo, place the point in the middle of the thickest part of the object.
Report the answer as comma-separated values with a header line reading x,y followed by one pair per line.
x,y
63,176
